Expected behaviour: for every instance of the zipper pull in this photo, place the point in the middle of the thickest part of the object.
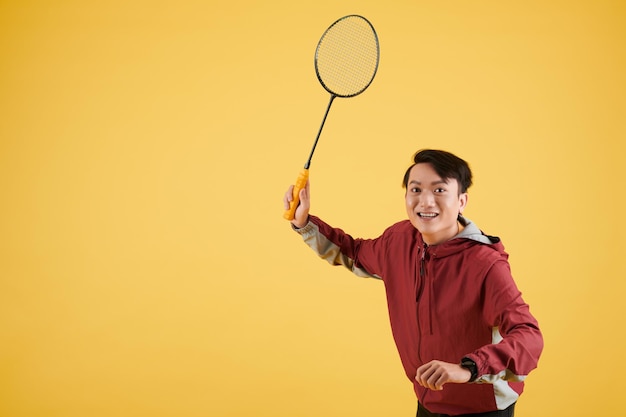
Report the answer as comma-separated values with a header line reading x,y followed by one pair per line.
x,y
422,281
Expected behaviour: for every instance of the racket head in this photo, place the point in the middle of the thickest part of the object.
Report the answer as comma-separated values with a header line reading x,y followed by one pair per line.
x,y
347,56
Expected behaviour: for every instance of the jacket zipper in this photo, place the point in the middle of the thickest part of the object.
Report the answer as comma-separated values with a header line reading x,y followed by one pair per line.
x,y
422,276
418,294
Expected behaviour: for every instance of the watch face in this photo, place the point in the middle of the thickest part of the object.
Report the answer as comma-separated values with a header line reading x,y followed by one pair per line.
x,y
470,365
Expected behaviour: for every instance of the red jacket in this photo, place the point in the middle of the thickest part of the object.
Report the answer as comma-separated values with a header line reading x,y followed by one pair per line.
x,y
446,302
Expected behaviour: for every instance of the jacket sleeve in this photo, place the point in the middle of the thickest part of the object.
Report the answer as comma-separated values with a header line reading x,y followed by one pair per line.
x,y
517,341
339,248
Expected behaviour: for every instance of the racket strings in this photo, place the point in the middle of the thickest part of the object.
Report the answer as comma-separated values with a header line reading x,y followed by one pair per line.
x,y
347,57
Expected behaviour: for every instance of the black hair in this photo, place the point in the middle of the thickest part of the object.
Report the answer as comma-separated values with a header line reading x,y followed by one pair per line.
x,y
446,165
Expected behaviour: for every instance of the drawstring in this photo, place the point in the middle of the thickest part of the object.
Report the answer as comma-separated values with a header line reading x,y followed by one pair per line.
x,y
431,299
420,290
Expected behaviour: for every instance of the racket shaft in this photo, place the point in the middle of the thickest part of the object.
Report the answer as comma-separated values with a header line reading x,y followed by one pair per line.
x,y
299,185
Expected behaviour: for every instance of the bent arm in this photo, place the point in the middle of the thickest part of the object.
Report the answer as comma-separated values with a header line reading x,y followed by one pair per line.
x,y
517,342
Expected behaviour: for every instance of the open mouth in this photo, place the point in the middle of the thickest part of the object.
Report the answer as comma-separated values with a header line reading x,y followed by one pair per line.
x,y
428,215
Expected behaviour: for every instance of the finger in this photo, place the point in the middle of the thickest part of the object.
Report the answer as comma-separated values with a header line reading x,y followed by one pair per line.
x,y
438,380
424,373
302,212
305,200
288,197
433,378
306,191
304,195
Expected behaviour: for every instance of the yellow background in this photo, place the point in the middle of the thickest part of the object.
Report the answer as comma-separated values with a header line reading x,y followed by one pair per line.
x,y
146,270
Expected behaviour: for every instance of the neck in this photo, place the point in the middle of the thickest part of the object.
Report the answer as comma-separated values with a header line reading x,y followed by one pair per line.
x,y
434,240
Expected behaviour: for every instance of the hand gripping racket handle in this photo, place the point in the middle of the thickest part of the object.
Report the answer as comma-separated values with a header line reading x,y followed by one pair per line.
x,y
300,184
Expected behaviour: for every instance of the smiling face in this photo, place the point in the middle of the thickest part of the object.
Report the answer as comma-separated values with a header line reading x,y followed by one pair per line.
x,y
433,204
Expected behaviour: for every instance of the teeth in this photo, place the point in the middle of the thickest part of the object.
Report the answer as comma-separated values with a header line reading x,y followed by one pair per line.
x,y
427,214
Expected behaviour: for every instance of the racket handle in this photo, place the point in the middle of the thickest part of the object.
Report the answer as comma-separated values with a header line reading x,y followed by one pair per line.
x,y
300,184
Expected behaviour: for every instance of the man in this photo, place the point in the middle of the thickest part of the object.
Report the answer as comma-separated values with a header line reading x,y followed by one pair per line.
x,y
465,336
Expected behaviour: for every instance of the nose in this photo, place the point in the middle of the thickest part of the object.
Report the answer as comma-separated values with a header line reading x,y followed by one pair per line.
x,y
427,199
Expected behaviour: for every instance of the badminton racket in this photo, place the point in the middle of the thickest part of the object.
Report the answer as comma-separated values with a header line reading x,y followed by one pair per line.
x,y
346,61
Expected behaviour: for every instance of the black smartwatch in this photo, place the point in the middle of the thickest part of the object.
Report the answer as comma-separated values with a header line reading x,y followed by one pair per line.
x,y
470,365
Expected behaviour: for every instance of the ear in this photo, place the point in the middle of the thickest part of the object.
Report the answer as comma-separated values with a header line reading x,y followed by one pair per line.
x,y
462,202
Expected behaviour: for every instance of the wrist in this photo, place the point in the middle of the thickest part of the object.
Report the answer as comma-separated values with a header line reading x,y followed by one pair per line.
x,y
296,224
470,365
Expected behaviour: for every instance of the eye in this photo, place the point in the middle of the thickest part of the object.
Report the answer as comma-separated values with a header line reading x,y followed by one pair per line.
x,y
415,190
440,190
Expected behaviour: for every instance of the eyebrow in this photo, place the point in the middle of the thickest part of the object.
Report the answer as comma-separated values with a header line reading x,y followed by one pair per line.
x,y
432,183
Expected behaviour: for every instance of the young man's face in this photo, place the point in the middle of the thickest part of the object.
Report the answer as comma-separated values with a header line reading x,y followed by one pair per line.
x,y
433,204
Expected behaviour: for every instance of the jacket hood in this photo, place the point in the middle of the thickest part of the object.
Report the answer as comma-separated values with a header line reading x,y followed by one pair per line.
x,y
470,235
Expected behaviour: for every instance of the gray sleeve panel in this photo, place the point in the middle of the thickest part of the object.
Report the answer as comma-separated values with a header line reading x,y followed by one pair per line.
x,y
329,251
